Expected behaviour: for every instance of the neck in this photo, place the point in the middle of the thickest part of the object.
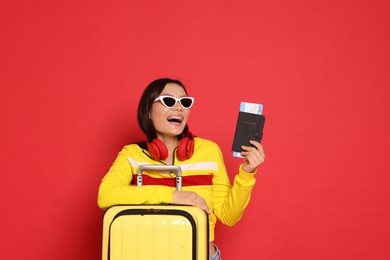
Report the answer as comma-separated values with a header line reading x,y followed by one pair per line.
x,y
170,141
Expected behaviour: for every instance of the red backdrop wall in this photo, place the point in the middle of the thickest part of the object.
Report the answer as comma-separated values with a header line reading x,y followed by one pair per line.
x,y
72,73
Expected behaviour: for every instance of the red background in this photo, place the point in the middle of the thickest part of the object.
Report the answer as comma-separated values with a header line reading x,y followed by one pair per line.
x,y
72,73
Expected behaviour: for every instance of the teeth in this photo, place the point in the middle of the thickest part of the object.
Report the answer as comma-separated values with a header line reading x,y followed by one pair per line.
x,y
175,118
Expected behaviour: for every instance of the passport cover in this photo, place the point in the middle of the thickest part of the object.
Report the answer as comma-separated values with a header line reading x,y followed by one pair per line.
x,y
249,127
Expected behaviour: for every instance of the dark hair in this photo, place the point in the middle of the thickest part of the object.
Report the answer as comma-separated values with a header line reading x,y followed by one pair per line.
x,y
152,91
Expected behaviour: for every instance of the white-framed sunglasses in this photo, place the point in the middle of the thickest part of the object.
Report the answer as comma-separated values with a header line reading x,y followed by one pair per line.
x,y
170,102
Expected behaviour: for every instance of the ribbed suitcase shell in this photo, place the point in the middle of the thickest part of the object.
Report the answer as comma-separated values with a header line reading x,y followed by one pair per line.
x,y
155,232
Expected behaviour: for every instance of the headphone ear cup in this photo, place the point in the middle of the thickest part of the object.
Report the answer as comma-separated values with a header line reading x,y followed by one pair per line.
x,y
157,149
185,149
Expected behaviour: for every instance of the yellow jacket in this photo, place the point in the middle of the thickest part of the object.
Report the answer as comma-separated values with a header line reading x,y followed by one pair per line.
x,y
204,173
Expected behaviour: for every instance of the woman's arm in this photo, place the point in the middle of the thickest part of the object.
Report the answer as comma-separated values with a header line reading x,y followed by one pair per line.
x,y
230,202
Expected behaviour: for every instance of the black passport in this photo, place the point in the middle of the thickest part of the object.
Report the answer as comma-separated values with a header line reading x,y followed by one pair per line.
x,y
249,127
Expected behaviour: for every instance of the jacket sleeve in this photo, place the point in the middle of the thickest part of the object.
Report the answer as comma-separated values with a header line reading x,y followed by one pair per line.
x,y
230,201
115,187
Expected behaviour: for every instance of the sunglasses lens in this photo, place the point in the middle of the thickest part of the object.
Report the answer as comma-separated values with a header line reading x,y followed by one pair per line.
x,y
169,102
186,102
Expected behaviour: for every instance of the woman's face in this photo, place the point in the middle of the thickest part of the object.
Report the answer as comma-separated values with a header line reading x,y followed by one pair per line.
x,y
169,122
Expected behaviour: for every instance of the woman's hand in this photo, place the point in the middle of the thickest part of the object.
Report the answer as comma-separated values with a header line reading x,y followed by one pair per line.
x,y
190,198
254,156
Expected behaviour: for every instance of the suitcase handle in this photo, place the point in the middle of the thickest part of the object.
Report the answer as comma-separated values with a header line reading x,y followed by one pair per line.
x,y
153,167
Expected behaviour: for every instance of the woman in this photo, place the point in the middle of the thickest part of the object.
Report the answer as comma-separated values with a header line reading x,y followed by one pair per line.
x,y
163,112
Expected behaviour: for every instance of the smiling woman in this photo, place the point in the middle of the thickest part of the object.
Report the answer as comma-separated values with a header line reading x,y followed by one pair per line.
x,y
168,115
163,113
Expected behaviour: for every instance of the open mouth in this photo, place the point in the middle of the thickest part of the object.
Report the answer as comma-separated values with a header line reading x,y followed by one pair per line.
x,y
175,119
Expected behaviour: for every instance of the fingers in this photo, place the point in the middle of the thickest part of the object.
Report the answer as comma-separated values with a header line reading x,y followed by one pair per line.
x,y
254,152
254,156
199,202
190,198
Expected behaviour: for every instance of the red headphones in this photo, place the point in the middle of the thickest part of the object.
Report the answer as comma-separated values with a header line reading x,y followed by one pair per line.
x,y
159,151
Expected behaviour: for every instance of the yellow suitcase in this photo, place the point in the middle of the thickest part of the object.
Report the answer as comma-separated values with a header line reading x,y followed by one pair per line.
x,y
155,232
